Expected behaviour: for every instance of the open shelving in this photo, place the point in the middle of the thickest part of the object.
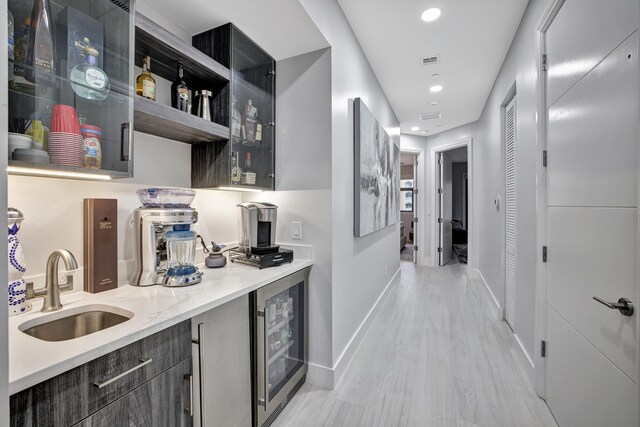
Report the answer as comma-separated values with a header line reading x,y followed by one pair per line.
x,y
201,72
279,325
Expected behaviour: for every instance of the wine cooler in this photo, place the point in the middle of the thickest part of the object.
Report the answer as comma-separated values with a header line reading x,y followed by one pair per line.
x,y
279,337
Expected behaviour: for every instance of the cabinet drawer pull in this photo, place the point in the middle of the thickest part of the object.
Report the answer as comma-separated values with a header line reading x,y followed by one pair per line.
x,y
189,410
124,374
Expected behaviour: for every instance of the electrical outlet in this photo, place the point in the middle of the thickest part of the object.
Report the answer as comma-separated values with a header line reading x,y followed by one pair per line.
x,y
296,230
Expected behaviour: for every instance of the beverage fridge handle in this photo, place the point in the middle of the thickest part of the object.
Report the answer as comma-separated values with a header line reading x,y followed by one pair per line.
x,y
262,400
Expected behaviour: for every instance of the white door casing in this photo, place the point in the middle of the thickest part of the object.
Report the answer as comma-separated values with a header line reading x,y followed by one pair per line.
x,y
589,220
445,235
511,146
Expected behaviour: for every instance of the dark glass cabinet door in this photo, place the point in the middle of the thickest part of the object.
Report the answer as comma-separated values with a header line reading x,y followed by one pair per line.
x,y
91,77
284,318
252,123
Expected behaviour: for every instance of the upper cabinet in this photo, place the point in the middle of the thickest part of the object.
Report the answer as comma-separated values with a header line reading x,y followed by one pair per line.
x,y
70,88
201,74
246,160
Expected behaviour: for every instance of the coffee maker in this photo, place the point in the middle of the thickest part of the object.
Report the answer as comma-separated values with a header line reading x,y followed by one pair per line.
x,y
165,241
257,228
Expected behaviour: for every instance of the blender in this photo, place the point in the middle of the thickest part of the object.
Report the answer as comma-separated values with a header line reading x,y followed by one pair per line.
x,y
165,243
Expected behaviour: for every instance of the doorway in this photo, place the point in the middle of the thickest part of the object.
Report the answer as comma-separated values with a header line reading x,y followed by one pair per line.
x,y
588,221
408,206
452,201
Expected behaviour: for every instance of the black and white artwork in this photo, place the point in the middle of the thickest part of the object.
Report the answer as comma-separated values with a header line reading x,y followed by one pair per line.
x,y
377,174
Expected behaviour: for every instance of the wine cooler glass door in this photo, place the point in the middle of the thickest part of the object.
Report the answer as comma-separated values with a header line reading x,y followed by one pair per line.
x,y
284,321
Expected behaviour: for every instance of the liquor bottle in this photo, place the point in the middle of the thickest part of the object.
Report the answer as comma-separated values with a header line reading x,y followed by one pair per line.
x,y
88,80
40,55
21,48
236,171
236,119
180,93
10,43
248,175
145,83
250,121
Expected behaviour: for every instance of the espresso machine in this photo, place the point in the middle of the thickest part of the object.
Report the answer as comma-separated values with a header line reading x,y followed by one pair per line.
x,y
165,242
257,228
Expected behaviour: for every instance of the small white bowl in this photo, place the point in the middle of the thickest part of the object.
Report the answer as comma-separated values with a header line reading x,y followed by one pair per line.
x,y
18,140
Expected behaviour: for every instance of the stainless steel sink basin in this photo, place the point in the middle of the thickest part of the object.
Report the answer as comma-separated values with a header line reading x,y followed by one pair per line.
x,y
76,322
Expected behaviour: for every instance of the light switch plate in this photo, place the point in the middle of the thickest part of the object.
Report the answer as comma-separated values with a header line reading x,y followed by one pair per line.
x,y
296,230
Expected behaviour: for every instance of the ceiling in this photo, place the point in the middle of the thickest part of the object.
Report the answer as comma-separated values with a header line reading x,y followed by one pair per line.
x,y
281,27
472,38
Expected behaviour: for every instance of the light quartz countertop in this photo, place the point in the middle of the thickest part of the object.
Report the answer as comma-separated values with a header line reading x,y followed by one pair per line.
x,y
155,308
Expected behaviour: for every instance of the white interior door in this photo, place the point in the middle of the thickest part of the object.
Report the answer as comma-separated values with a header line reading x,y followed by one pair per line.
x,y
445,190
591,368
511,145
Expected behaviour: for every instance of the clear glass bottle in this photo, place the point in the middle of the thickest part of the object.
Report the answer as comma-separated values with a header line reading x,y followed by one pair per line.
x,y
87,80
40,55
180,94
145,83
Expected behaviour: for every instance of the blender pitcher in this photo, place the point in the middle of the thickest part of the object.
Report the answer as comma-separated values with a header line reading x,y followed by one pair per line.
x,y
181,253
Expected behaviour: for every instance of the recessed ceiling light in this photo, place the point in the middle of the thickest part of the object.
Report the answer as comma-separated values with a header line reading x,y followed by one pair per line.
x,y
435,75
415,128
431,14
434,103
435,88
424,132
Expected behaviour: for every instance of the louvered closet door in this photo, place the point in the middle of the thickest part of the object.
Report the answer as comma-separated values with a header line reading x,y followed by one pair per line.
x,y
510,209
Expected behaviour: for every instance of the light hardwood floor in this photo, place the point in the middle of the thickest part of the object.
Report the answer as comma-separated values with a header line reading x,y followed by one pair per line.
x,y
433,356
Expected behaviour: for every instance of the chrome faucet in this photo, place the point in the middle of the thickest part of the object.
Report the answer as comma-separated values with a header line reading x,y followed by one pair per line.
x,y
52,289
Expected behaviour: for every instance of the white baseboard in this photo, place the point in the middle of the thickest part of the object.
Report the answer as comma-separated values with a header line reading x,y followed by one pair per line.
x,y
320,376
524,359
496,307
345,358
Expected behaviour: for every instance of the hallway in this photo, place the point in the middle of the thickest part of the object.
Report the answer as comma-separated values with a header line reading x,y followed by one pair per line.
x,y
433,356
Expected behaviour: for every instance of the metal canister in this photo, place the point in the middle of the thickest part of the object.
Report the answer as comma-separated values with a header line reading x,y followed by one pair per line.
x,y
204,106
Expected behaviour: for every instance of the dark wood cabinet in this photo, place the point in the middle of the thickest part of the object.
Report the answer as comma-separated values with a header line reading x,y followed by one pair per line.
x,y
83,391
247,105
108,27
162,402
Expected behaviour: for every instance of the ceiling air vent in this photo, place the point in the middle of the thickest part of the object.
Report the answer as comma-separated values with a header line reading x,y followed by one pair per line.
x,y
430,60
430,116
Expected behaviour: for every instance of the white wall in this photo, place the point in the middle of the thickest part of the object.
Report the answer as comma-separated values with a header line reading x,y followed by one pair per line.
x,y
487,224
519,67
362,267
303,183
53,207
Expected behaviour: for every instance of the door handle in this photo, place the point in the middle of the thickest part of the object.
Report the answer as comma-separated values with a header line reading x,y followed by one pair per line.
x,y
624,305
126,132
